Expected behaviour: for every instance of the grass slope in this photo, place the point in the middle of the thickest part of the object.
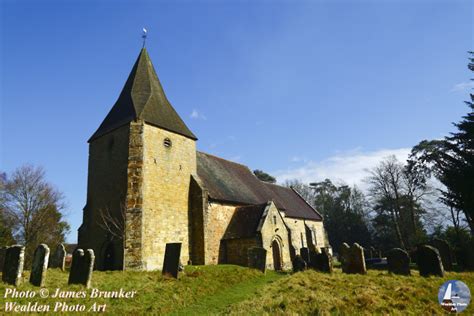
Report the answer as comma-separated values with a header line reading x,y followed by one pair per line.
x,y
226,289
378,292
155,294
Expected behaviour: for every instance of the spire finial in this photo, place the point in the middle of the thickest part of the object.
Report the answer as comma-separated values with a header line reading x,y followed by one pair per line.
x,y
144,34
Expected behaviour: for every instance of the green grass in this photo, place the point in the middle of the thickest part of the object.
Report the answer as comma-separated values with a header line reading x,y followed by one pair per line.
x,y
378,293
227,289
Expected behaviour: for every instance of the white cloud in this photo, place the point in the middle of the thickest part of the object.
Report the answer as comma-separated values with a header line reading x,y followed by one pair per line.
x,y
196,115
350,167
462,86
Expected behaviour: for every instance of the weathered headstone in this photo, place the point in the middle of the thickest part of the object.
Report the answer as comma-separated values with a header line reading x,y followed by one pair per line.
x,y
13,265
299,264
257,258
323,261
58,258
81,267
353,259
40,265
305,255
171,262
398,261
429,261
445,252
343,255
3,251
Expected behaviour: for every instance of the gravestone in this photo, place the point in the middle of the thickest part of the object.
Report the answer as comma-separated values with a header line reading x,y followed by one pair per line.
x,y
445,252
81,267
429,261
343,255
353,259
313,259
13,265
305,255
299,264
257,258
3,250
58,258
40,265
323,261
398,261
171,262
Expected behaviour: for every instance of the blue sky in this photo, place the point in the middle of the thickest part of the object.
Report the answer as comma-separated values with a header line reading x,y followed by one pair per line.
x,y
299,89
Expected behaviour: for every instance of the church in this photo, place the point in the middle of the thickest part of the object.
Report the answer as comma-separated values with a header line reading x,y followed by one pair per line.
x,y
149,186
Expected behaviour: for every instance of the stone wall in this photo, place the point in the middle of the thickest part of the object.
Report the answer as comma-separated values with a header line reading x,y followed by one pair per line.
x,y
237,250
198,202
166,181
216,219
133,254
299,233
106,190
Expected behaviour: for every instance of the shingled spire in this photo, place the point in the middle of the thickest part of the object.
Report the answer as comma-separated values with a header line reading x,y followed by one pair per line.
x,y
143,98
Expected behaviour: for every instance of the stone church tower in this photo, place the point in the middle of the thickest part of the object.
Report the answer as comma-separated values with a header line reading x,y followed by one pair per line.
x,y
141,159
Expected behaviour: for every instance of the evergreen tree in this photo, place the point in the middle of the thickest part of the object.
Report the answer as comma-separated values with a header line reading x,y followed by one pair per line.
x,y
452,161
263,176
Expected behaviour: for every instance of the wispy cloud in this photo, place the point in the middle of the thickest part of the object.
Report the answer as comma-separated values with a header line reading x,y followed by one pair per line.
x,y
349,167
463,86
195,114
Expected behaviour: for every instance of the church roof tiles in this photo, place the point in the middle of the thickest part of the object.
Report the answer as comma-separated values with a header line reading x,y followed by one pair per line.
x,y
231,182
143,98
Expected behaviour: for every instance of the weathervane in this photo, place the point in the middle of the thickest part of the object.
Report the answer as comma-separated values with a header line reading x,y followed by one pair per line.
x,y
144,36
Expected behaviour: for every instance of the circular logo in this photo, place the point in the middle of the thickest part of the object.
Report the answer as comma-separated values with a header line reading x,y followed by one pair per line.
x,y
454,296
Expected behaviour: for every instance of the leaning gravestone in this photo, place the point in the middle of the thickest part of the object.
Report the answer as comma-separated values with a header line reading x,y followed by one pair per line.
x,y
398,261
13,265
429,261
354,261
40,265
171,262
81,267
3,250
58,258
344,255
323,261
445,252
257,258
299,264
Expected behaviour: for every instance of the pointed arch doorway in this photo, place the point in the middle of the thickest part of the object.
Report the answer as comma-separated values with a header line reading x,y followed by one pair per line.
x,y
276,255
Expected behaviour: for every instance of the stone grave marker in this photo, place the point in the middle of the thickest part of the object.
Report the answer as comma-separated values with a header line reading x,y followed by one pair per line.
x,y
257,258
13,265
429,261
3,251
354,261
445,252
299,264
81,267
343,256
40,265
398,261
305,255
171,262
58,258
323,261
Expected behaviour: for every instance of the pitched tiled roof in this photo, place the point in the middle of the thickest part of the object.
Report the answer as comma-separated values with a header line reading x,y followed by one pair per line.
x,y
244,222
143,98
232,182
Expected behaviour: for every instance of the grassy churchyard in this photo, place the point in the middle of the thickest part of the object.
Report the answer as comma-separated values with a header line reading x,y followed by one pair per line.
x,y
228,289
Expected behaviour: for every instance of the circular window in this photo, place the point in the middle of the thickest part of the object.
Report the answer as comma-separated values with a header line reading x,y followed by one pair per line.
x,y
167,142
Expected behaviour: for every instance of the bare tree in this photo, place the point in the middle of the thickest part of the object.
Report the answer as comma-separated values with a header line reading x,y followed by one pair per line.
x,y
400,192
33,206
113,222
